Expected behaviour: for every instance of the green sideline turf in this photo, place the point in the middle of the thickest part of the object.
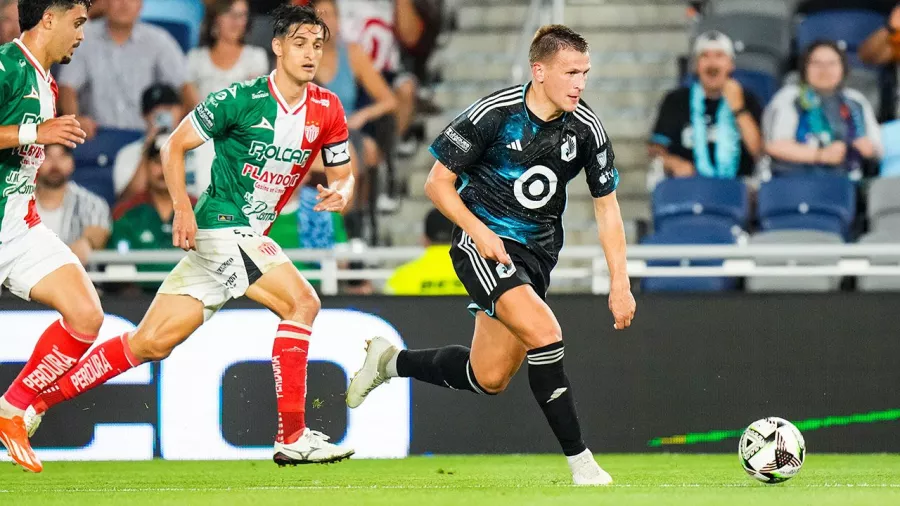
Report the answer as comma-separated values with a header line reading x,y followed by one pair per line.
x,y
664,479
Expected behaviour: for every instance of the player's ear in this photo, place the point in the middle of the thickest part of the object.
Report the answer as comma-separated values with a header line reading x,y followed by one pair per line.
x,y
538,70
48,18
277,47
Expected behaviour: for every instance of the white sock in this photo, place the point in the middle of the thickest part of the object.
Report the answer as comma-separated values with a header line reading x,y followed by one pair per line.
x,y
7,410
391,367
586,454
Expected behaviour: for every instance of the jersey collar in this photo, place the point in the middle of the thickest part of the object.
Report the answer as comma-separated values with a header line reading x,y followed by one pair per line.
x,y
32,60
282,103
532,117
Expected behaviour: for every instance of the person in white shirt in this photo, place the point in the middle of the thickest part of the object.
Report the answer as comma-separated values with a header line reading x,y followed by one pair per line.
x,y
162,109
223,58
78,216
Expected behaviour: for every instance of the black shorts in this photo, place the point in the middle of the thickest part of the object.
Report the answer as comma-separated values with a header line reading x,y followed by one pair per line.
x,y
486,280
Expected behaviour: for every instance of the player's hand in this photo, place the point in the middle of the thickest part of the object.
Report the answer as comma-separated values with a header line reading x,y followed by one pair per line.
x,y
490,246
65,130
184,228
622,305
330,200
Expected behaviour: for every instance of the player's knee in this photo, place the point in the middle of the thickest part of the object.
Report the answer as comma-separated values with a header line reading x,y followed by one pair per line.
x,y
148,349
85,317
493,382
302,307
543,335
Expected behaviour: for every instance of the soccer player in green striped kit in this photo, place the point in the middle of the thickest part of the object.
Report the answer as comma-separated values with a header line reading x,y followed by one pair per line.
x,y
267,133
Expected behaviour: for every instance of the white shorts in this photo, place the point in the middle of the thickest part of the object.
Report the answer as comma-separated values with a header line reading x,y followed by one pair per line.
x,y
224,264
29,258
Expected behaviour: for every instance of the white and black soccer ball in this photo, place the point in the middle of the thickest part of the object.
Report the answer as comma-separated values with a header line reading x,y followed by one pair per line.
x,y
772,450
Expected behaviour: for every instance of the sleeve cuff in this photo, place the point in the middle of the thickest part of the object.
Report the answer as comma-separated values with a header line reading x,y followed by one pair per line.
x,y
199,129
660,139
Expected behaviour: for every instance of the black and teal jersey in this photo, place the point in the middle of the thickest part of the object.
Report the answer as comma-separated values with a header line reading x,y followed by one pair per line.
x,y
513,167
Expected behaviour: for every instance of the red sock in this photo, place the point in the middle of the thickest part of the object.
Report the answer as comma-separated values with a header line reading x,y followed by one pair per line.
x,y
103,363
56,352
289,356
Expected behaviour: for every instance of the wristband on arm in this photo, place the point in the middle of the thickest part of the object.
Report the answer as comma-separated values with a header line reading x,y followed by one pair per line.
x,y
27,134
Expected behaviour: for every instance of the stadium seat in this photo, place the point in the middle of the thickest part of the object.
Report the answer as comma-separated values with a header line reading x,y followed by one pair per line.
x,y
95,158
775,8
849,27
753,33
884,205
188,12
809,238
98,180
811,202
688,235
761,84
179,31
890,139
881,283
721,203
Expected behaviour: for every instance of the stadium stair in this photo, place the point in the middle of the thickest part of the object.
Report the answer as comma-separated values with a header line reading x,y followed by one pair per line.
x,y
634,51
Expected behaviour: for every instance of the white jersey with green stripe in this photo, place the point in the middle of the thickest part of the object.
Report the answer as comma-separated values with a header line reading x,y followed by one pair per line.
x,y
27,95
264,149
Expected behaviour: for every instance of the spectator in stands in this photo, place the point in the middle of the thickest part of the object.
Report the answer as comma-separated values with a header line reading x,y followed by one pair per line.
x,y
820,125
345,69
710,128
223,57
145,220
163,110
9,21
79,217
383,28
119,58
432,273
883,46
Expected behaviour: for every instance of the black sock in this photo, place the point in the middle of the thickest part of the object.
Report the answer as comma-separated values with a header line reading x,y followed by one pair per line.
x,y
447,367
551,389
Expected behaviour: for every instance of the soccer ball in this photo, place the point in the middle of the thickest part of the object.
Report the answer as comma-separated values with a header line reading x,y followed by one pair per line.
x,y
772,450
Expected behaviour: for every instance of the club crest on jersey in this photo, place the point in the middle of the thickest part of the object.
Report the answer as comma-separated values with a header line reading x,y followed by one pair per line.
x,y
312,132
268,248
601,159
568,150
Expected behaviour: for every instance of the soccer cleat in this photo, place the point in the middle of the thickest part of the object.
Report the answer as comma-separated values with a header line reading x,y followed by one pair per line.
x,y
372,374
311,448
586,471
32,420
15,439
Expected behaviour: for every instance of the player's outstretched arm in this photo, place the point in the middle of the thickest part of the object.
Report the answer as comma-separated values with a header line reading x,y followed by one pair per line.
x,y
182,140
64,130
339,193
612,239
441,189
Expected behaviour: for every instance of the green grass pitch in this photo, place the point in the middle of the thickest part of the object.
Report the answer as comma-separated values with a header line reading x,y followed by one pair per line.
x,y
512,480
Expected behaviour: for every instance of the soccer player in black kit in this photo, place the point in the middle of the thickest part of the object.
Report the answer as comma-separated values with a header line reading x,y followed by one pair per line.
x,y
500,176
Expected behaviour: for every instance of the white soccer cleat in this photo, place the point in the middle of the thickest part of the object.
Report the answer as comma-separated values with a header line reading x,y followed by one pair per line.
x,y
379,351
586,471
32,420
311,448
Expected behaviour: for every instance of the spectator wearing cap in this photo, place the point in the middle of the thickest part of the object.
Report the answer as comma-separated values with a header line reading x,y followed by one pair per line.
x,y
78,216
9,21
432,273
145,221
119,58
710,128
163,110
223,57
820,125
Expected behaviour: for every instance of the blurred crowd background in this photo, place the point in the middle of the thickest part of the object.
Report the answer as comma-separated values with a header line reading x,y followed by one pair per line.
x,y
733,121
